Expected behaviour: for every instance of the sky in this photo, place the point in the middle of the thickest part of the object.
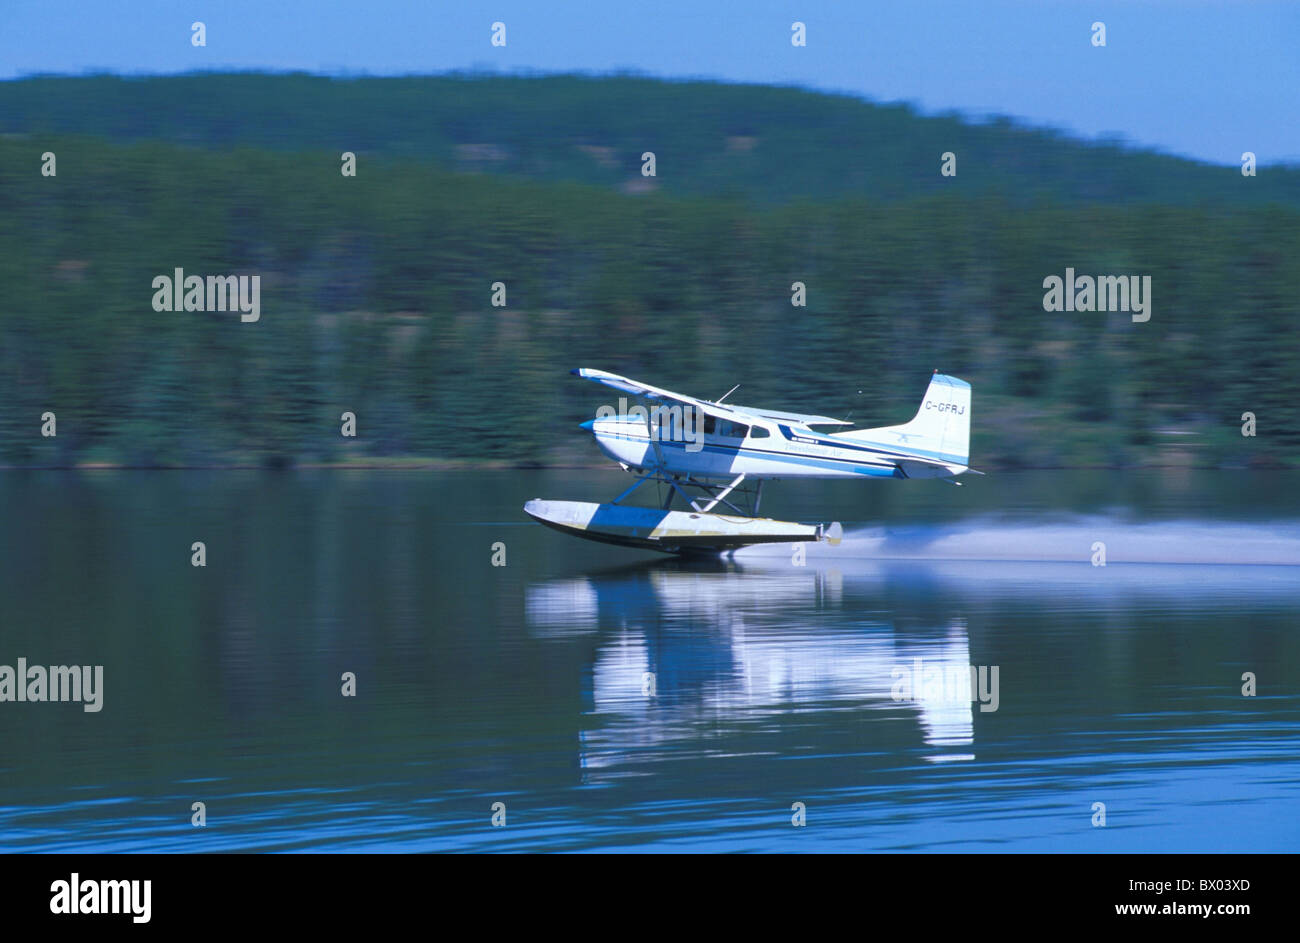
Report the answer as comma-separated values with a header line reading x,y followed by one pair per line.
x,y
1207,80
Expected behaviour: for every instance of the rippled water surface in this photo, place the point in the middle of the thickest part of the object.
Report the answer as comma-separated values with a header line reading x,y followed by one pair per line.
x,y
613,699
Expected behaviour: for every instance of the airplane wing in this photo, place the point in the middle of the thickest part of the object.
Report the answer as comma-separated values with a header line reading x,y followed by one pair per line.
x,y
624,385
636,388
801,419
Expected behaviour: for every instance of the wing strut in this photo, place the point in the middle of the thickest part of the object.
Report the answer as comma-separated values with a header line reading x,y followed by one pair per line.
x,y
637,484
685,497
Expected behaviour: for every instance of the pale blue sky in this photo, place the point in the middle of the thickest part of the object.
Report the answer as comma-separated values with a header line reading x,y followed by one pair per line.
x,y
1202,79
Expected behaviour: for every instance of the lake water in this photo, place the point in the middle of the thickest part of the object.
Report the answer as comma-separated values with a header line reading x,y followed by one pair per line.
x,y
614,699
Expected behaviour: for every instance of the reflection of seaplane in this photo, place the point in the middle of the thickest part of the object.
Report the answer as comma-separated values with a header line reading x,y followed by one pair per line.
x,y
724,453
675,642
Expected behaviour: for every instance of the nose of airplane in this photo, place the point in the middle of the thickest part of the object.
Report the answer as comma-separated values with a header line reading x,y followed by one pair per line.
x,y
588,424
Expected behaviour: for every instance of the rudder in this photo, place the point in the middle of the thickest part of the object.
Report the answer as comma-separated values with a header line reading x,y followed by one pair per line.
x,y
940,430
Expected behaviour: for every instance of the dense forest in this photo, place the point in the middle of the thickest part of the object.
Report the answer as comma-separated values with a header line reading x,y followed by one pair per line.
x,y
376,292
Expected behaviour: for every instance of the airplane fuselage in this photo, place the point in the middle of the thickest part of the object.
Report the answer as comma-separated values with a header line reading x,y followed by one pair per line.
x,y
775,450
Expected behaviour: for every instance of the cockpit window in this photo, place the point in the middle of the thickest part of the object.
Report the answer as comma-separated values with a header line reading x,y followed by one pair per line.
x,y
725,428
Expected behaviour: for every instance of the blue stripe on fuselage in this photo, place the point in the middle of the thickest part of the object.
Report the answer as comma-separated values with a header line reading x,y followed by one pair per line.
x,y
836,464
859,446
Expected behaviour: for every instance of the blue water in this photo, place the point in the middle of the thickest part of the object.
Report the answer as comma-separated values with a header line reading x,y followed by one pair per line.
x,y
614,700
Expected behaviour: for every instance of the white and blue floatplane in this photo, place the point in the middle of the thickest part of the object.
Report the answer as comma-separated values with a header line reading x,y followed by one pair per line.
x,y
714,457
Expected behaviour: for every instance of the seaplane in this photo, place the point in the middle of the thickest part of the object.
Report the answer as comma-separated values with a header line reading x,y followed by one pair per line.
x,y
713,457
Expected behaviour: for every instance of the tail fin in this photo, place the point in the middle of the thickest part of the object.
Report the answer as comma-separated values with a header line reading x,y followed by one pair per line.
x,y
940,432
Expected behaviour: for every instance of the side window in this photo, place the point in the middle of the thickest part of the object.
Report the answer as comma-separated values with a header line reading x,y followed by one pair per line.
x,y
758,432
725,428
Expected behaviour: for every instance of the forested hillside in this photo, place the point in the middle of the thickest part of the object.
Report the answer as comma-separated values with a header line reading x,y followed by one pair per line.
x,y
376,289
767,144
